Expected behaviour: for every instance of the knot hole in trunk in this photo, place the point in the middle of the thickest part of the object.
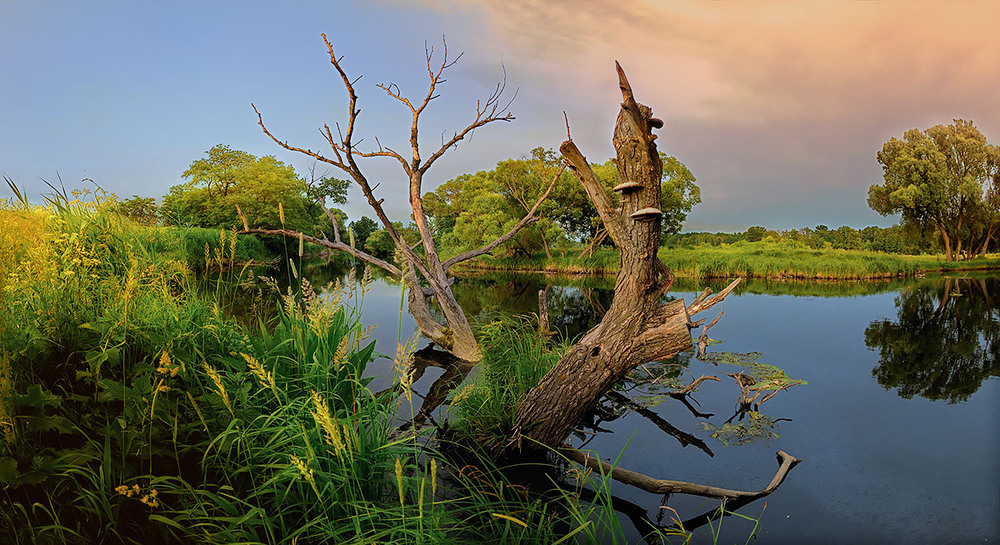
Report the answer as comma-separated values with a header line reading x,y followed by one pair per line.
x,y
596,351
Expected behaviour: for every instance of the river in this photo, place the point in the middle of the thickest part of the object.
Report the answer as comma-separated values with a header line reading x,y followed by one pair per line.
x,y
897,425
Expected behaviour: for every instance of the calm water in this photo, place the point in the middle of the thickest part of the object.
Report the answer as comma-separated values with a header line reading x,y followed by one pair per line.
x,y
897,426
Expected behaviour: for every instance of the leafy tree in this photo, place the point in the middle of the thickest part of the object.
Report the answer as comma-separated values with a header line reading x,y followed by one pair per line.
x,y
141,210
473,209
678,195
323,188
362,229
846,238
755,233
939,177
522,181
381,245
224,168
487,209
268,192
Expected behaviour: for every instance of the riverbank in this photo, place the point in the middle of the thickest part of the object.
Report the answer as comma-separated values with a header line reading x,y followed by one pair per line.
x,y
134,408
765,260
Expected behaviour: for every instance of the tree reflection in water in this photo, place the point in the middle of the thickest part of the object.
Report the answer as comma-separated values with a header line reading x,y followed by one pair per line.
x,y
944,342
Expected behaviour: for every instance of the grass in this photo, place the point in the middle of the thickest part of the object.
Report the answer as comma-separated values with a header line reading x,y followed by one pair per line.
x,y
133,409
515,358
771,260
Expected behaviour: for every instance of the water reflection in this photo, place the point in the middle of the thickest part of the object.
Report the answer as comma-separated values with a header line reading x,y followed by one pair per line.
x,y
575,305
943,344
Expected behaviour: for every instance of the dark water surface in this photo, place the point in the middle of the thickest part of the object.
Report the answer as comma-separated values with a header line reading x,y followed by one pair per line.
x,y
897,426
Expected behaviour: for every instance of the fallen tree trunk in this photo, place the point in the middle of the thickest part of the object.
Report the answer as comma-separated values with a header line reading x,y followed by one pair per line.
x,y
664,486
637,327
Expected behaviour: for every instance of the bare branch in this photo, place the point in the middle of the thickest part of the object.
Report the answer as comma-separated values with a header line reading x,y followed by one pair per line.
x,y
333,245
703,339
692,386
486,113
663,486
613,221
705,304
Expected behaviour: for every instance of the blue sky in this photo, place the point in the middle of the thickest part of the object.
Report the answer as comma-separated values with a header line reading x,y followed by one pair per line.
x,y
777,108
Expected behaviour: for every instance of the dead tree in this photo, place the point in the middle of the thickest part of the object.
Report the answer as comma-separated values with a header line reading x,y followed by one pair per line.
x,y
425,273
638,327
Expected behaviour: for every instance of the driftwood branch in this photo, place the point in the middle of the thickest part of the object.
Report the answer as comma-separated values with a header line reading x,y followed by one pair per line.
x,y
664,486
693,386
703,302
703,339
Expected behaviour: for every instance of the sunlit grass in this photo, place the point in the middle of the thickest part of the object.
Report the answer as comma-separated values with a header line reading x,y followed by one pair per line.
x,y
515,358
135,411
772,260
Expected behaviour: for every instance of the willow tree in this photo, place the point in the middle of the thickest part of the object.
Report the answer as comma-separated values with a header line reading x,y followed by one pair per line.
x,y
424,271
944,177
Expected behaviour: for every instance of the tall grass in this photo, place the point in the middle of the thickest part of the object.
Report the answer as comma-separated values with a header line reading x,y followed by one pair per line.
x,y
772,260
515,358
784,260
133,410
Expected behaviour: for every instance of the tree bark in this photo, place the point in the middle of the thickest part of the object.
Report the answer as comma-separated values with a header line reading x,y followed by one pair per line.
x,y
986,243
637,327
947,242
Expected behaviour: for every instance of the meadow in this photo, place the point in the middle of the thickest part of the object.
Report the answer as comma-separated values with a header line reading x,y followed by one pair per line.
x,y
764,259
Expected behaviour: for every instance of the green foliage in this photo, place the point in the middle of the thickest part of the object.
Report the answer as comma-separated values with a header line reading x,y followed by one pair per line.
x,y
754,426
766,377
755,233
134,411
944,177
142,210
784,260
269,192
678,194
380,244
899,239
473,209
758,383
362,229
515,358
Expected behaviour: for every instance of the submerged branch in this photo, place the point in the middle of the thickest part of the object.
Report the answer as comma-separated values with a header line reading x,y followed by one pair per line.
x,y
663,486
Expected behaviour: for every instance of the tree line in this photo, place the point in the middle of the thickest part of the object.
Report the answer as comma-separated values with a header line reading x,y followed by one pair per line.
x,y
465,212
898,239
944,182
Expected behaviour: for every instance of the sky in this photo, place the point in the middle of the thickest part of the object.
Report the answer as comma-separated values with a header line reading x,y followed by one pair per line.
x,y
778,108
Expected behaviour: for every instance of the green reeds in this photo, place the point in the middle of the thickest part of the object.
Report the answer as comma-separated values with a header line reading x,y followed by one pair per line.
x,y
515,359
134,410
137,412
